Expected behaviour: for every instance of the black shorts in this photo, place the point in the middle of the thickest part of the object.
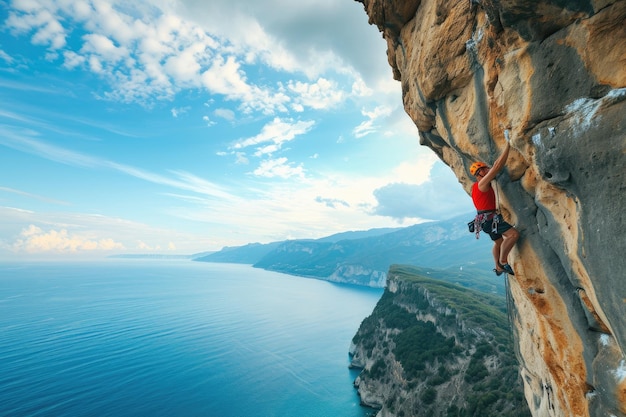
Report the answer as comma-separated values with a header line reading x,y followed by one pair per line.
x,y
502,226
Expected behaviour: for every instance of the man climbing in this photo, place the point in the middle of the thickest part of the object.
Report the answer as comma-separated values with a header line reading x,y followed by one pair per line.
x,y
488,218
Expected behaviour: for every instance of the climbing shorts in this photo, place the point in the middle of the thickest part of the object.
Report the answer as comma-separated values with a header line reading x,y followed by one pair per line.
x,y
495,226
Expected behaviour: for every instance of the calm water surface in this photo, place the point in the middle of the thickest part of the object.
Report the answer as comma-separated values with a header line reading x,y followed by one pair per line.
x,y
175,338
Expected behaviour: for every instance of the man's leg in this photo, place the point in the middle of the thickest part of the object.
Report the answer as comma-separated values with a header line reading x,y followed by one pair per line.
x,y
509,237
497,248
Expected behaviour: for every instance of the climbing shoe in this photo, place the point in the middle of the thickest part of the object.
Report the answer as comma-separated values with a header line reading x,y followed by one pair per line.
x,y
507,268
498,273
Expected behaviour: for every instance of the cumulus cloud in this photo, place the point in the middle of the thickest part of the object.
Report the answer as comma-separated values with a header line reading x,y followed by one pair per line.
x,y
102,46
298,39
35,240
152,50
41,234
438,198
323,94
142,59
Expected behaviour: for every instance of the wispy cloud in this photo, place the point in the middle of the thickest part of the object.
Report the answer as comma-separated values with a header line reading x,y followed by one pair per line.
x,y
180,180
274,134
369,125
16,85
177,111
24,141
6,57
332,202
226,114
26,115
34,196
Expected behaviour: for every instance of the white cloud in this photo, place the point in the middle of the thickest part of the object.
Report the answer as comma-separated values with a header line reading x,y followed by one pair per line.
x,y
184,66
28,16
241,159
34,240
416,172
180,180
151,50
323,94
208,121
5,57
36,233
103,47
72,60
369,125
226,114
279,167
360,89
177,111
24,141
297,39
225,76
438,198
276,132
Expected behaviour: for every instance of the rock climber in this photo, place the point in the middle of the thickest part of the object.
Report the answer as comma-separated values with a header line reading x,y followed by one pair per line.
x,y
488,217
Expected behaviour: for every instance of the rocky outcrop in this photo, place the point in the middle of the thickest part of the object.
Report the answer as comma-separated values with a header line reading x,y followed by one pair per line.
x,y
553,72
357,275
432,348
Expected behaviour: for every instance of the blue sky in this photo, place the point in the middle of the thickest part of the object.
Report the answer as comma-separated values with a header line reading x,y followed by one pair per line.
x,y
164,126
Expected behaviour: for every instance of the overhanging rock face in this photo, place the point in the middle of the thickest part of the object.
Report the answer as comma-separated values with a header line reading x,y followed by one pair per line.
x,y
554,74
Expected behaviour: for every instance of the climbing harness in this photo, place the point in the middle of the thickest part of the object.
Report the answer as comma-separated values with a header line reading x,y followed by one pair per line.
x,y
479,220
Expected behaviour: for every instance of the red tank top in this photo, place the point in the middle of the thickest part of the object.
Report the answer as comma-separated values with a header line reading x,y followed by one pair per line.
x,y
483,201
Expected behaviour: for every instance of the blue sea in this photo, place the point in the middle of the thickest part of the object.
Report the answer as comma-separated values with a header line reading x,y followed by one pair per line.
x,y
175,338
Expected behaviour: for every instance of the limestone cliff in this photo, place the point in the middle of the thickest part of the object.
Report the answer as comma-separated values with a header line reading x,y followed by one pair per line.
x,y
553,72
432,348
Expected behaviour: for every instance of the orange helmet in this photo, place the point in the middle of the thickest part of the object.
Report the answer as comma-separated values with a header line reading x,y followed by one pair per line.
x,y
476,166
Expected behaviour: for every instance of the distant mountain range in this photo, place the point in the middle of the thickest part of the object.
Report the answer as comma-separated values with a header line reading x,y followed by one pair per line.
x,y
364,257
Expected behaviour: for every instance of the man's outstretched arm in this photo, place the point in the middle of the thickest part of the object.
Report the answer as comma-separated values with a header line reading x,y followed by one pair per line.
x,y
485,182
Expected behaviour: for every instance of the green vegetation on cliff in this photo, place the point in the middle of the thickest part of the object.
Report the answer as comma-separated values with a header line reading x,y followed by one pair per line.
x,y
475,308
436,348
